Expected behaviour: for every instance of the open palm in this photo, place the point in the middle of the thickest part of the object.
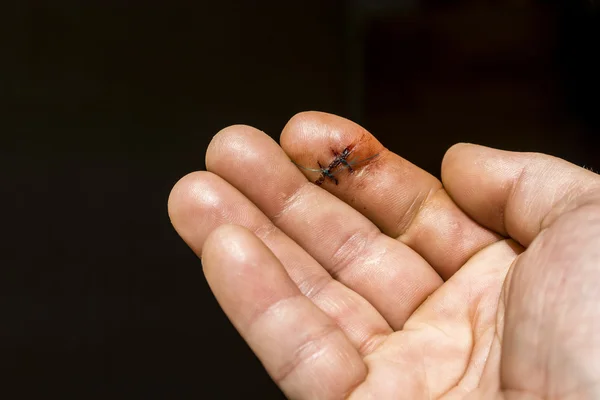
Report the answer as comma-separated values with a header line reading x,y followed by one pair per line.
x,y
390,283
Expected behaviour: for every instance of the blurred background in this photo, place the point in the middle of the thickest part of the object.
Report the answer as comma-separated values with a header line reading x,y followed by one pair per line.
x,y
105,105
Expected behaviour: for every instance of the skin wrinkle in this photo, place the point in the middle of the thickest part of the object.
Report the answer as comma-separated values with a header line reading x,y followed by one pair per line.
x,y
366,343
270,309
559,315
349,252
425,377
341,261
404,226
476,340
264,231
570,196
544,304
371,343
497,335
359,383
424,325
269,228
488,352
290,200
509,200
366,168
362,170
465,369
318,286
301,355
426,380
467,362
534,335
500,314
309,290
546,166
304,354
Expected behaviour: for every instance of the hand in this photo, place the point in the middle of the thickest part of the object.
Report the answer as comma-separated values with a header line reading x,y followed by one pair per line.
x,y
392,284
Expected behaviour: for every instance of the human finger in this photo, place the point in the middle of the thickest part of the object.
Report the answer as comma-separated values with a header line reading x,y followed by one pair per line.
x,y
403,200
514,194
302,349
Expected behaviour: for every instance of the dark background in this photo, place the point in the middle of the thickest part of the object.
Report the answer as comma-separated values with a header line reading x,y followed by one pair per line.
x,y
104,105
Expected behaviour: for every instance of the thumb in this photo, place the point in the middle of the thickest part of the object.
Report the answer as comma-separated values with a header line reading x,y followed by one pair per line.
x,y
514,194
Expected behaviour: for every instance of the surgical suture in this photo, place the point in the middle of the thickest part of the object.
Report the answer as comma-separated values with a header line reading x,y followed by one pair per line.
x,y
339,163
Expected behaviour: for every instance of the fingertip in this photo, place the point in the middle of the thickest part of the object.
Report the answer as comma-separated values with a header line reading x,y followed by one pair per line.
x,y
300,127
320,129
456,149
458,155
313,136
229,144
197,197
230,256
229,241
185,194
231,131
